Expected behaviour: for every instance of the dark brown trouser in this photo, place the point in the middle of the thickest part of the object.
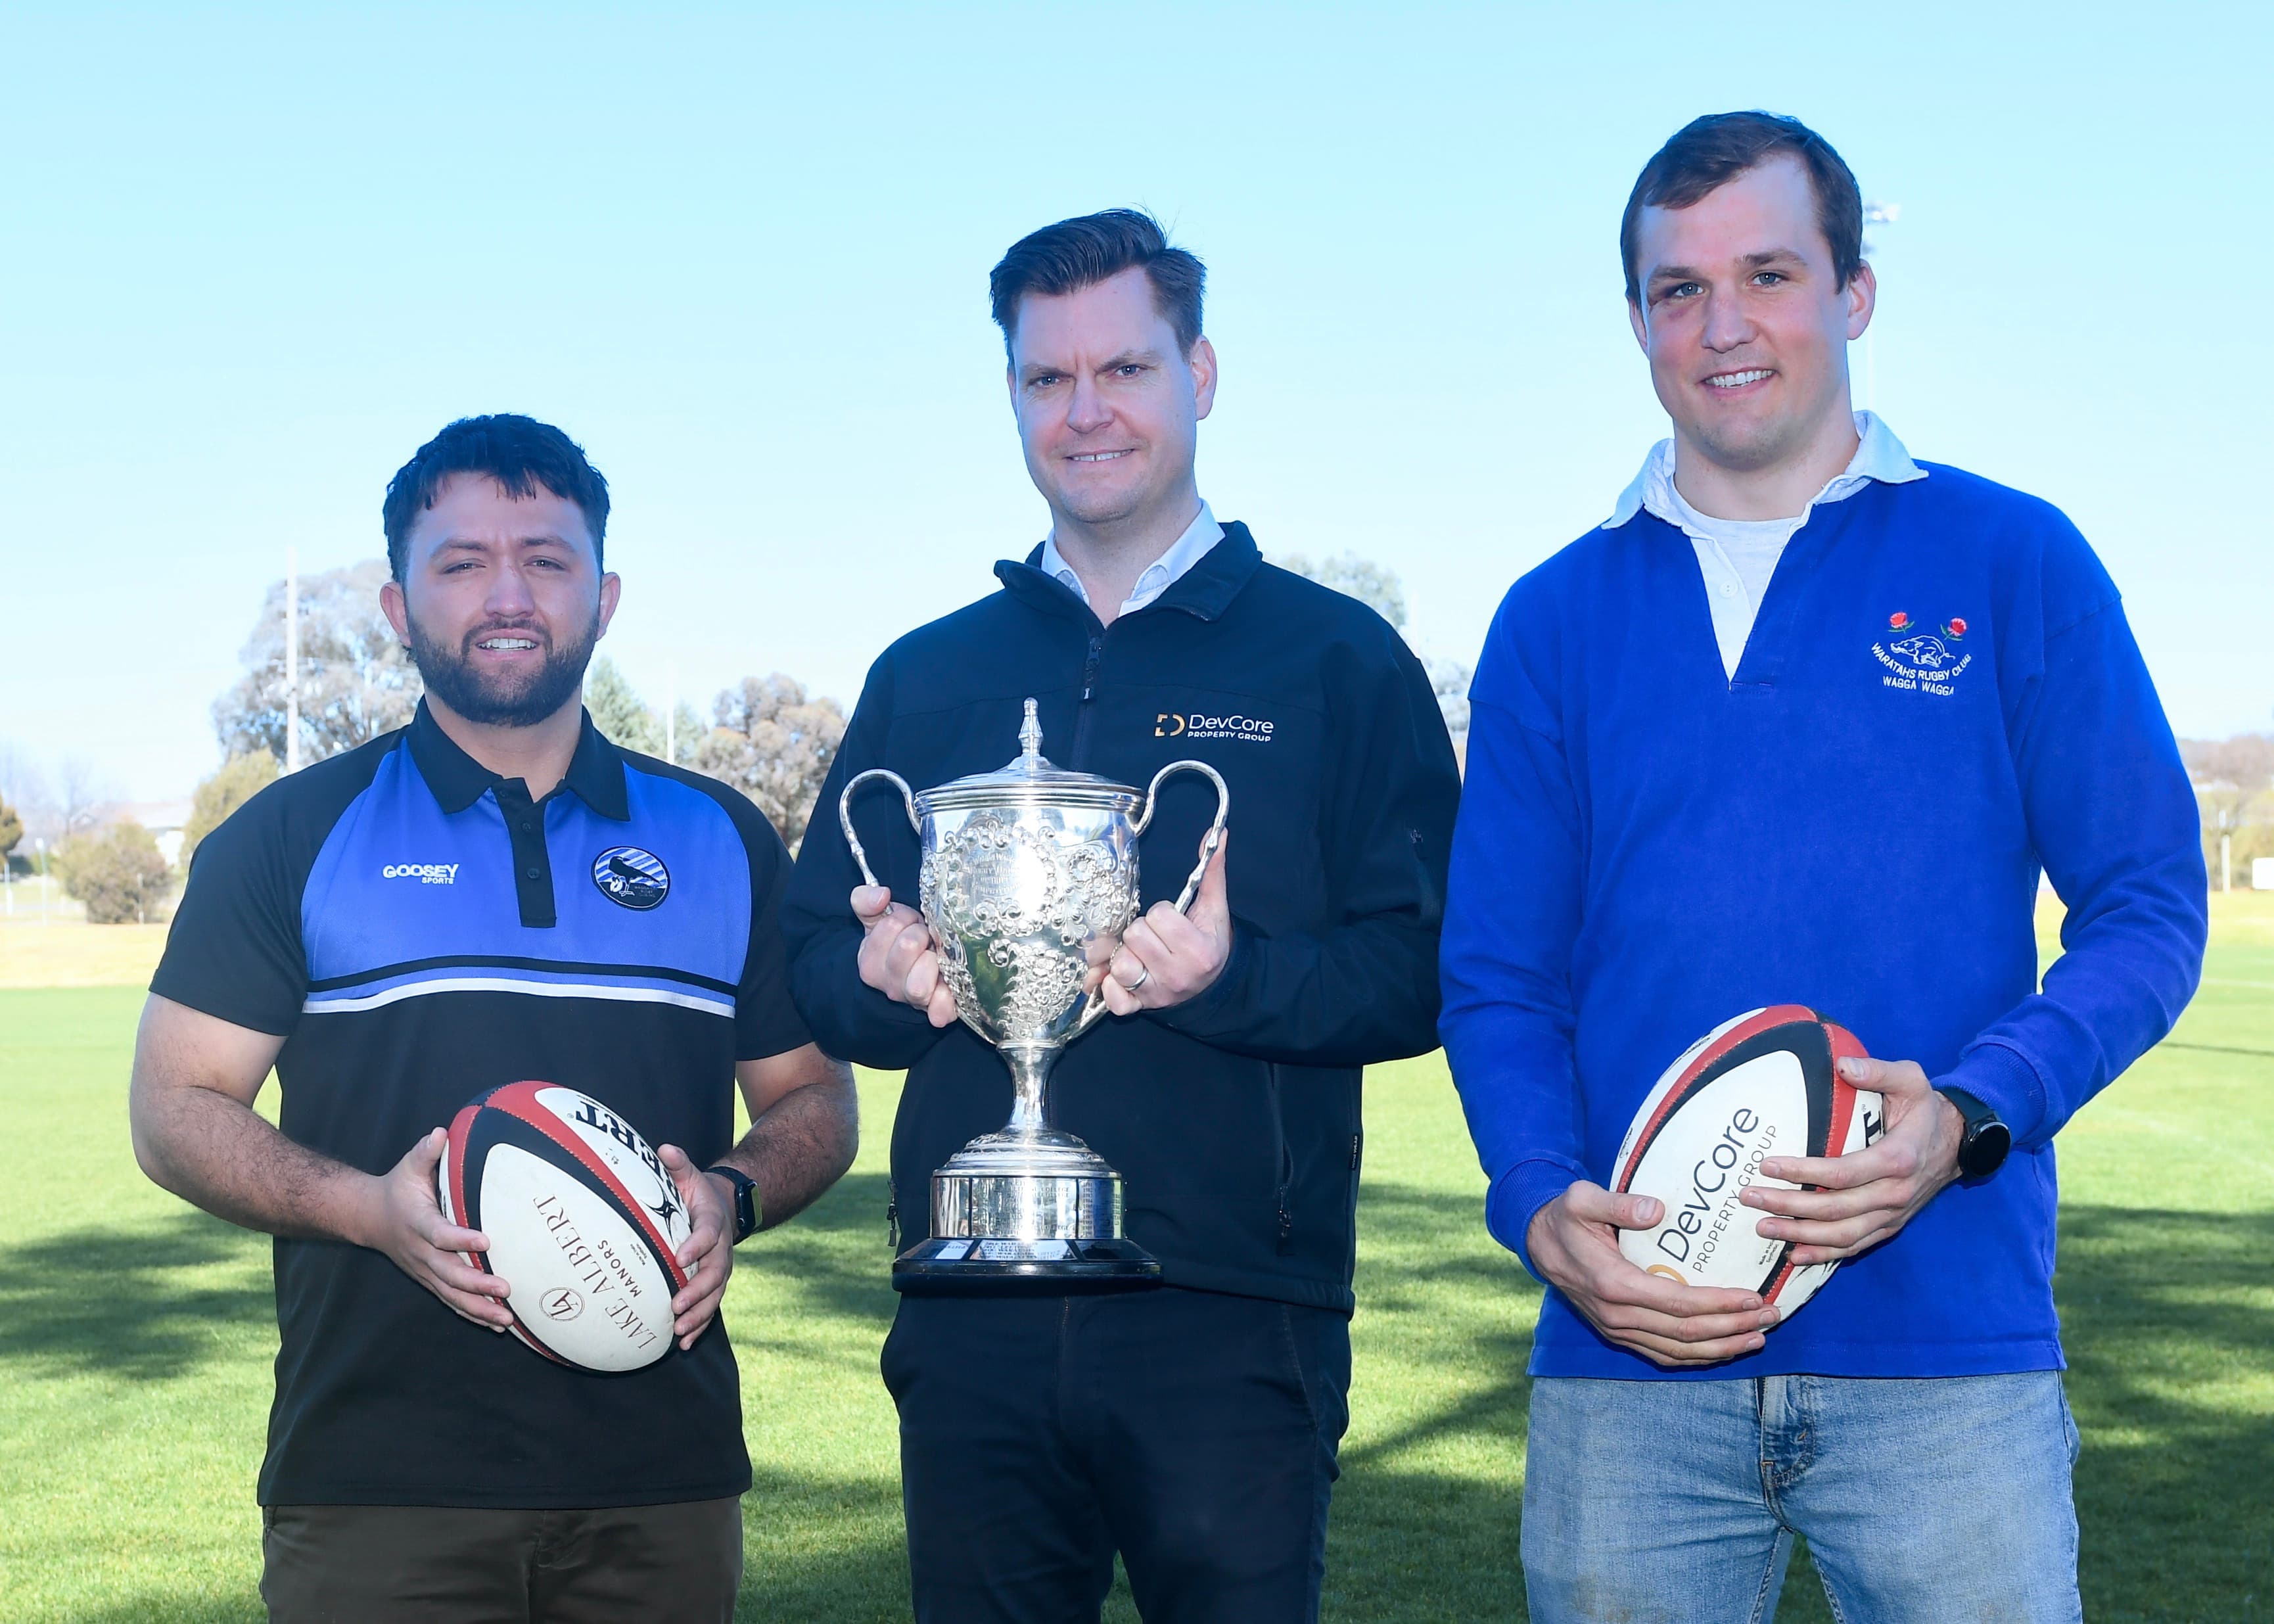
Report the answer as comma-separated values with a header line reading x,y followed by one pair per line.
x,y
378,1564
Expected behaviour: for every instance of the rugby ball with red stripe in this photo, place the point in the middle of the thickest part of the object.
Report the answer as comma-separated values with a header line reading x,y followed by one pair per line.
x,y
583,1220
1763,1085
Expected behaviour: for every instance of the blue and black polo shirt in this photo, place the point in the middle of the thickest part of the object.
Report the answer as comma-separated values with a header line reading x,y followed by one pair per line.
x,y
418,930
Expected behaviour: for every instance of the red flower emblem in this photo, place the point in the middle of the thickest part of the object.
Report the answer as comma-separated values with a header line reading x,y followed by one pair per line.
x,y
1898,620
1957,627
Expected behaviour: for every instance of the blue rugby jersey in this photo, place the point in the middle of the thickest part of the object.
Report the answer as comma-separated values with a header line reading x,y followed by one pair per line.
x,y
418,930
1939,701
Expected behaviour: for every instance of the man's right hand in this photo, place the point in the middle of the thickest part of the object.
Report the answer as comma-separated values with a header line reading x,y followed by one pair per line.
x,y
897,955
1574,1244
401,1215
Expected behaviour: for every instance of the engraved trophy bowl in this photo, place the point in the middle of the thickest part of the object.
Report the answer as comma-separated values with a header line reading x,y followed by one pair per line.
x,y
1029,877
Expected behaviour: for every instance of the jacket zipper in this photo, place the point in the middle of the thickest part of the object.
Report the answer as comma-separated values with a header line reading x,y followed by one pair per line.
x,y
892,1216
1083,707
1286,1219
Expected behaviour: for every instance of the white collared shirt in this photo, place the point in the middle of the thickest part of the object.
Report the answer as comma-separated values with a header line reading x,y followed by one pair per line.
x,y
1162,574
1737,556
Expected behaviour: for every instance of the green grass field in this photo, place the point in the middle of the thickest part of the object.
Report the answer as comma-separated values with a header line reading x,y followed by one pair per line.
x,y
135,1336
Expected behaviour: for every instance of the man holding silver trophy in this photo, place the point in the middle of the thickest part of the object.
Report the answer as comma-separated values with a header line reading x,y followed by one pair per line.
x,y
1124,1314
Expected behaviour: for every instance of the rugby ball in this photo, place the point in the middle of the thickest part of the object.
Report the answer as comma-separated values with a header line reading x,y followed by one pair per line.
x,y
1763,1085
583,1221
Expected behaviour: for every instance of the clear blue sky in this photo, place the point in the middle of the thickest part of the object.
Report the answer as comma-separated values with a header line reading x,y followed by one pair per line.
x,y
255,256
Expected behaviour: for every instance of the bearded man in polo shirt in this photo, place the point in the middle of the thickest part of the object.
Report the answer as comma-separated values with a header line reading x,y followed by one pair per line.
x,y
398,928
1803,723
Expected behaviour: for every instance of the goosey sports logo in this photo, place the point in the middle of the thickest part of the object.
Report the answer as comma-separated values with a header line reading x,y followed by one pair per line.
x,y
1922,661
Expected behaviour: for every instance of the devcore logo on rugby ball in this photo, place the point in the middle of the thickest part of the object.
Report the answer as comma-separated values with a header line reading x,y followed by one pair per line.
x,y
1921,661
632,877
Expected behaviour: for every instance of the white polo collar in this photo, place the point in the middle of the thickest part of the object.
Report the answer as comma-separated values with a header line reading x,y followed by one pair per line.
x,y
1878,455
1162,574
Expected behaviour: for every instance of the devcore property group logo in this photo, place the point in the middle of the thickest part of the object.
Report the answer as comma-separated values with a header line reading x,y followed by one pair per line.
x,y
1193,725
1921,661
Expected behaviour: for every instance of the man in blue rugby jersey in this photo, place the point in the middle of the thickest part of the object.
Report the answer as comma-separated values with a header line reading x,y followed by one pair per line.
x,y
1804,722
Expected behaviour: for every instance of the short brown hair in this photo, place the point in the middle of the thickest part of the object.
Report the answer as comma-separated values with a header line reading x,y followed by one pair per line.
x,y
1083,251
522,454
1710,152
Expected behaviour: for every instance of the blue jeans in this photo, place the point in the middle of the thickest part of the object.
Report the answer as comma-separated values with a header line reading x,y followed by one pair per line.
x,y
1921,1499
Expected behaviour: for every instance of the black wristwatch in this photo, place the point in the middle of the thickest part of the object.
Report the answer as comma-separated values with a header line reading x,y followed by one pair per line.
x,y
747,1211
1982,1149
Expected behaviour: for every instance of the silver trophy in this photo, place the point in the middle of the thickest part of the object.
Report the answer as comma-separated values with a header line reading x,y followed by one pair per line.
x,y
1029,879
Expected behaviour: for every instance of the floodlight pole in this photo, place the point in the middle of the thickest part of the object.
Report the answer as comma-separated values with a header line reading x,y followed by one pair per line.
x,y
291,659
41,845
670,718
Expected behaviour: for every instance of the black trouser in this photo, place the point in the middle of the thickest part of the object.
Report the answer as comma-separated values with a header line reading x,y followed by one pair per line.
x,y
1194,1432
679,1564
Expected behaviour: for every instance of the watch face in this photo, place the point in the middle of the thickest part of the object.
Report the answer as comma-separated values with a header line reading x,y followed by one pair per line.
x,y
1985,1149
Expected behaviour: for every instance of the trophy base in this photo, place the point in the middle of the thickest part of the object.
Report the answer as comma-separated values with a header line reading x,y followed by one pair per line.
x,y
964,1265
1035,1212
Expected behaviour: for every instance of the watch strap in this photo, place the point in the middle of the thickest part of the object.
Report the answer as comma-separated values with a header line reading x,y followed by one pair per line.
x,y
1985,1140
748,1213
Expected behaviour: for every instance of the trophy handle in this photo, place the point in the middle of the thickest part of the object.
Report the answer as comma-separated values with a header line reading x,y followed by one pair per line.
x,y
1209,841
908,796
1095,1009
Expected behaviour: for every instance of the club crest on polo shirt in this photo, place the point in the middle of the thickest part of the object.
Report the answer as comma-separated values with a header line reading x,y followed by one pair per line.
x,y
631,877
1920,659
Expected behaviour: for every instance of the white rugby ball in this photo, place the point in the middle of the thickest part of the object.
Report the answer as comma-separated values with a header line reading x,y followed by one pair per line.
x,y
583,1220
1763,1085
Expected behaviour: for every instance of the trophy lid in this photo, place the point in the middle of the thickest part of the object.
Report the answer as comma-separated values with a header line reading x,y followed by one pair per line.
x,y
1029,779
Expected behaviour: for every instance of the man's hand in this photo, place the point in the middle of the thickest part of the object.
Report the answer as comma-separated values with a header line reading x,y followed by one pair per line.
x,y
1574,1243
1867,1196
1166,957
708,1253
897,955
400,1214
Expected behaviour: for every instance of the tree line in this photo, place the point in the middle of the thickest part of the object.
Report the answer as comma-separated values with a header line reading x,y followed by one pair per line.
x,y
2233,781
765,736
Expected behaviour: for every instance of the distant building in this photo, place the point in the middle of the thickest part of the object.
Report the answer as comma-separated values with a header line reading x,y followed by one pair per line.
x,y
164,819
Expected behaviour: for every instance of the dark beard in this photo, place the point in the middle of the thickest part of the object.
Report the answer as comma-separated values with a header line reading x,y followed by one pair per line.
x,y
450,676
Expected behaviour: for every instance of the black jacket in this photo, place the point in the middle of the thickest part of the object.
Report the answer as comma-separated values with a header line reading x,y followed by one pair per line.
x,y
1233,1119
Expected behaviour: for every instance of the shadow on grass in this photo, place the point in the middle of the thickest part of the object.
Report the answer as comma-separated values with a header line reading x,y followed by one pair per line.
x,y
837,1254
822,1553
145,1304
157,1608
2169,1323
